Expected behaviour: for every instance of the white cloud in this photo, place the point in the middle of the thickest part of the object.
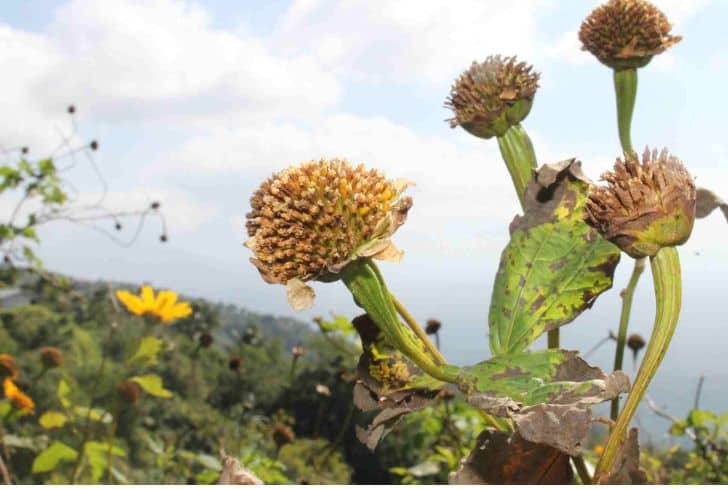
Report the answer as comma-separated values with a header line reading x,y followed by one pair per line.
x,y
408,40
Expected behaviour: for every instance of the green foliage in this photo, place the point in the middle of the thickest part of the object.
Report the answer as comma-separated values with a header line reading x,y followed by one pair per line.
x,y
49,458
152,384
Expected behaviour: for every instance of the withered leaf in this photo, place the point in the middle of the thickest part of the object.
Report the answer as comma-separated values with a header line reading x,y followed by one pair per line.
x,y
555,264
548,394
706,202
389,382
234,473
627,465
505,458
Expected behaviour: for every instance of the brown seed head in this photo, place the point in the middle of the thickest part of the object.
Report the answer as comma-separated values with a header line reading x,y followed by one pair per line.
x,y
129,391
635,342
492,96
432,326
51,357
8,368
235,363
283,435
309,221
645,206
205,340
626,33
298,351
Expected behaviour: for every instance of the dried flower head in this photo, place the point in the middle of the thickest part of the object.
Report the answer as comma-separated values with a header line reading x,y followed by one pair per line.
x,y
235,363
298,351
205,340
492,96
626,33
283,435
432,326
309,221
8,369
51,357
323,390
636,342
19,399
128,391
645,206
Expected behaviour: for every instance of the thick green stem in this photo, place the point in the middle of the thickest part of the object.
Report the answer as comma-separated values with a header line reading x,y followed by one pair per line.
x,y
365,282
518,154
668,294
417,330
554,338
625,87
627,296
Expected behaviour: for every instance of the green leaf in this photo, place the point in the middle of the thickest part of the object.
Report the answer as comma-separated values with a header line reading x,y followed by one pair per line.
x,y
678,428
97,454
49,458
340,324
94,414
5,408
63,391
147,352
547,394
152,384
52,419
701,418
554,266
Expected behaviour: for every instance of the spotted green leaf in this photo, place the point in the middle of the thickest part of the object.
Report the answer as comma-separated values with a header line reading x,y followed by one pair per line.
x,y
554,266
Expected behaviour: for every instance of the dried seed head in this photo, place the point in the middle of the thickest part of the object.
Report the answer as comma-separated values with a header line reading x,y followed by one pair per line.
x,y
323,390
311,220
235,363
51,357
626,33
129,391
492,96
8,368
298,351
283,435
205,340
432,326
635,342
645,206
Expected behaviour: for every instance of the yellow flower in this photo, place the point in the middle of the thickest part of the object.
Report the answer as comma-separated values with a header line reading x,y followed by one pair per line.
x,y
164,306
19,399
599,449
7,366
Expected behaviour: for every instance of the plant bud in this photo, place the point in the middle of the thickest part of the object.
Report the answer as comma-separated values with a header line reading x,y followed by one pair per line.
x,y
8,368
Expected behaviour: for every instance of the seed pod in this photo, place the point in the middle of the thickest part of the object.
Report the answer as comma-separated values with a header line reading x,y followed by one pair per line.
x,y
625,34
645,206
492,96
129,392
432,326
309,221
51,357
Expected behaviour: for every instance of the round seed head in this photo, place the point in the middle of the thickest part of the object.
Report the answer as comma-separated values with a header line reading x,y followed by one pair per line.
x,y
205,340
309,221
283,435
492,96
129,392
432,326
235,363
51,357
626,33
646,205
635,342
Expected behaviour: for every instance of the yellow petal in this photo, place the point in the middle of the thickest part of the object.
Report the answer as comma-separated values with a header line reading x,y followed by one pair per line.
x,y
148,297
181,310
132,303
9,388
165,299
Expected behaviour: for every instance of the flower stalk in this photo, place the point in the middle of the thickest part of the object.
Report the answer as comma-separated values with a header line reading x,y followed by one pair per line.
x,y
366,284
668,292
417,330
625,88
519,156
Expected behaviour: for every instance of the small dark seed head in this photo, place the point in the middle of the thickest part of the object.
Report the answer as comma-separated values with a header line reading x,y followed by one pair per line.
x,y
24,150
118,226
8,368
432,326
163,238
283,435
235,363
94,145
154,205
129,391
206,340
635,342
71,109
51,357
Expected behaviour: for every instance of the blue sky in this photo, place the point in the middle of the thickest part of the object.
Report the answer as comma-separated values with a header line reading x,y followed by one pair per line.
x,y
194,103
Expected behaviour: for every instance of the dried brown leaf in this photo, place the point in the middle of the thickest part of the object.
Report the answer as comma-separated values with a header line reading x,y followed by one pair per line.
x,y
626,469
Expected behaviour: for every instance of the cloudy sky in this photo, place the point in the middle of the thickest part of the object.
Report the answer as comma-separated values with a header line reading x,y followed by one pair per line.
x,y
194,103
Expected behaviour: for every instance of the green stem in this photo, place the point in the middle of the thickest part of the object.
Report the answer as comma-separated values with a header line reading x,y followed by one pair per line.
x,y
668,291
365,282
627,296
625,87
582,470
519,156
554,338
417,330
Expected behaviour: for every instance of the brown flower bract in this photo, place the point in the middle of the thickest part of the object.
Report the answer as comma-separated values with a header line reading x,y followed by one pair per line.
x,y
309,221
493,95
645,206
626,33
